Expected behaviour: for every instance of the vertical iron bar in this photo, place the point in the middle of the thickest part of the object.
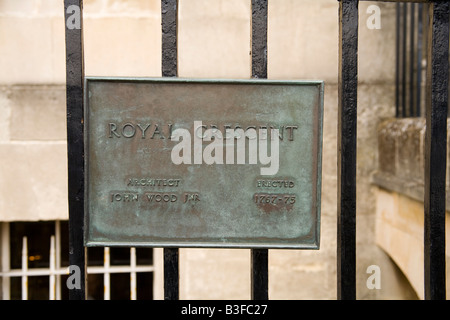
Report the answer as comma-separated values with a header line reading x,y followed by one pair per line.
x,y
419,60
73,10
171,274
260,274
347,111
404,32
169,68
436,150
397,62
259,257
169,24
259,38
412,49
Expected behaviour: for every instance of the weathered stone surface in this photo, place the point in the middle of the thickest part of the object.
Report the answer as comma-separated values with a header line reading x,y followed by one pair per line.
x,y
213,39
33,182
399,231
401,145
215,274
38,113
122,46
32,49
400,208
387,146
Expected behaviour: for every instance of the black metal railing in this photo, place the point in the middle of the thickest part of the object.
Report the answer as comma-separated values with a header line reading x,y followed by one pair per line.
x,y
435,147
411,31
411,59
436,106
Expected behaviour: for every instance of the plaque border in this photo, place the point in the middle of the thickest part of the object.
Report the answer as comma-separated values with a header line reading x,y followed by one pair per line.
x,y
189,243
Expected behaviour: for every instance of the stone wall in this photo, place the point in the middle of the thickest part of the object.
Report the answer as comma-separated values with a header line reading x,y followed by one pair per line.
x,y
400,196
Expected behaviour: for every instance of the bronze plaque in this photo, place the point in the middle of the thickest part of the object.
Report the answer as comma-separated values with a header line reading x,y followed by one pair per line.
x,y
176,162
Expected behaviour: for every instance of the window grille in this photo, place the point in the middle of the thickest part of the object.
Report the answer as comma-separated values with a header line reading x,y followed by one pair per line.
x,y
35,269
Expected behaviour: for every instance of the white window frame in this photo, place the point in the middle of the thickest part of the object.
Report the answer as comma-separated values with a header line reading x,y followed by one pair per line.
x,y
54,271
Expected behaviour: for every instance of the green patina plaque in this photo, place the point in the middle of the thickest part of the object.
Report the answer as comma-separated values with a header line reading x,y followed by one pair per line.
x,y
173,162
